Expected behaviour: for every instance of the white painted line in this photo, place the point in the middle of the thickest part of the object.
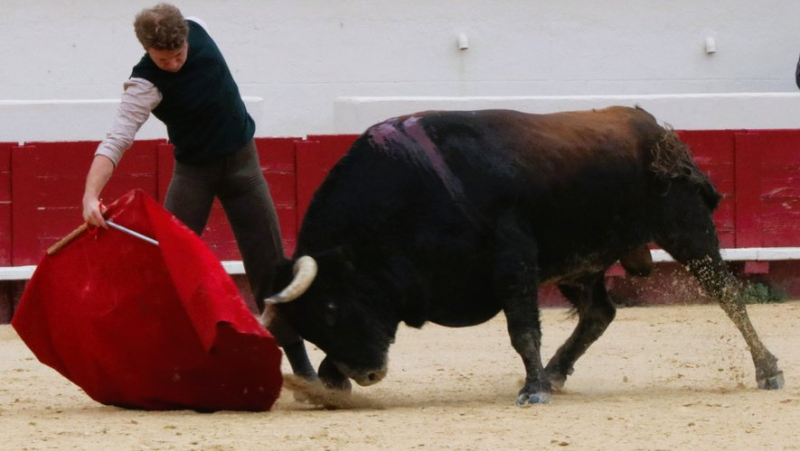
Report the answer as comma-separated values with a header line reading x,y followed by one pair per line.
x,y
233,267
743,254
236,267
717,111
17,272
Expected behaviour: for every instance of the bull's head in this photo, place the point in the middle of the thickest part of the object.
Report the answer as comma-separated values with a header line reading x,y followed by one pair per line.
x,y
342,311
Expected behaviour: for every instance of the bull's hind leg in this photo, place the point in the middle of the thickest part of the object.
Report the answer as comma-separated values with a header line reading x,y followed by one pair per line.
x,y
514,283
697,248
595,312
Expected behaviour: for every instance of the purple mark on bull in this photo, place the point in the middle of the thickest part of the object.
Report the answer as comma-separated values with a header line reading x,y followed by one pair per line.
x,y
408,141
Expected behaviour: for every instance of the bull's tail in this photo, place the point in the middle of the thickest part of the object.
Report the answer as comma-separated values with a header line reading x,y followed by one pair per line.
x,y
672,159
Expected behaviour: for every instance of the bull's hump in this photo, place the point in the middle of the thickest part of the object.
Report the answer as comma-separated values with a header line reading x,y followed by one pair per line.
x,y
405,138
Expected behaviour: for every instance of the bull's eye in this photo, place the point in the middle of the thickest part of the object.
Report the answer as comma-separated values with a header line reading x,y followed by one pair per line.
x,y
331,312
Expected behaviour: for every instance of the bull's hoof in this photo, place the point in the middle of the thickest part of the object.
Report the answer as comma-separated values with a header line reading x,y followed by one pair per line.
x,y
557,382
556,378
774,382
332,378
525,399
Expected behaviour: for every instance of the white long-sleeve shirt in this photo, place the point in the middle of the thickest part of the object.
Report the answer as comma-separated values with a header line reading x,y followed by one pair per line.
x,y
138,101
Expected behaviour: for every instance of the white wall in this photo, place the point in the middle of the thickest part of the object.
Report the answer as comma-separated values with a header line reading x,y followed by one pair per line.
x,y
729,111
302,55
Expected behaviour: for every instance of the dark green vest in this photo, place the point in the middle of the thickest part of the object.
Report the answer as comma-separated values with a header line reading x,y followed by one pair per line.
x,y
201,106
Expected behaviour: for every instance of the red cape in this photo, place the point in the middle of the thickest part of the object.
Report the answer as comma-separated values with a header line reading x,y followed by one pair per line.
x,y
143,326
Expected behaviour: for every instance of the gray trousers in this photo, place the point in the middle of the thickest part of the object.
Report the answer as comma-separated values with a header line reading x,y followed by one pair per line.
x,y
238,183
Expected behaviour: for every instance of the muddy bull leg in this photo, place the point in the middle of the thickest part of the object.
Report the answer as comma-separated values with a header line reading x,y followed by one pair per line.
x,y
727,290
699,252
687,233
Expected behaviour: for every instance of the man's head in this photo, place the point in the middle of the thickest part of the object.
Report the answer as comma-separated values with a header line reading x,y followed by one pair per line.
x,y
163,33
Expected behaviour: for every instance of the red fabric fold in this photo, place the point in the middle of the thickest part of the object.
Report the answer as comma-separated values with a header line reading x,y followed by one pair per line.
x,y
143,326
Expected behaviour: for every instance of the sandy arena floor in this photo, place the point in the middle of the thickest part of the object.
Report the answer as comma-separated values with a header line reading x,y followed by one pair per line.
x,y
676,377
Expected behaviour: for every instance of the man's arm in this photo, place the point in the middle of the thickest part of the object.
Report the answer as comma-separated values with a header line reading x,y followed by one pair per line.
x,y
797,74
97,178
138,100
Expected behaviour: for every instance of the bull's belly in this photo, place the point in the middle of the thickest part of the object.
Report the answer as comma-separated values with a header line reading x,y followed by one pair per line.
x,y
570,275
470,306
574,268
463,295
464,319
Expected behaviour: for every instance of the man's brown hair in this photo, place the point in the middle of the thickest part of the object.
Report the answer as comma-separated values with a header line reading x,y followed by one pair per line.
x,y
161,27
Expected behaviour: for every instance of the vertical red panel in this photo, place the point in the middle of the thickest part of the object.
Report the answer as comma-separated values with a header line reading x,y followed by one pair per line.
x,y
775,195
277,156
25,246
138,169
309,174
337,144
315,157
713,151
5,205
278,165
748,187
48,180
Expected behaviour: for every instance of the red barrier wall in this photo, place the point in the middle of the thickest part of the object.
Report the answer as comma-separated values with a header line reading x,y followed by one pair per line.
x,y
768,188
713,151
41,184
5,204
48,181
757,172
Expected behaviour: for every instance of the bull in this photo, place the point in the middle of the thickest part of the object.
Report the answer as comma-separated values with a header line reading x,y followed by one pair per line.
x,y
452,217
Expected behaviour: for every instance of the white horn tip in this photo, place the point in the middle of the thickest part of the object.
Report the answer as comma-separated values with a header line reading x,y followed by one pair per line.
x,y
305,270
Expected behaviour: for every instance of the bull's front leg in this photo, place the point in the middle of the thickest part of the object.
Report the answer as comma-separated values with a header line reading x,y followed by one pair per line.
x,y
691,239
595,313
515,284
526,337
728,291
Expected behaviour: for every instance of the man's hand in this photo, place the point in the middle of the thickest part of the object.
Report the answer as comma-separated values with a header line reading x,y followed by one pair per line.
x,y
99,174
93,211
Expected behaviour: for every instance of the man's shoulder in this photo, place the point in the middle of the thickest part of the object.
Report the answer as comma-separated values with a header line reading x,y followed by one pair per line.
x,y
143,68
198,21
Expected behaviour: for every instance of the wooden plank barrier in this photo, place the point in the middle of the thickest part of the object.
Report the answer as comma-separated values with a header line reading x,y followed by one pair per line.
x,y
5,204
41,184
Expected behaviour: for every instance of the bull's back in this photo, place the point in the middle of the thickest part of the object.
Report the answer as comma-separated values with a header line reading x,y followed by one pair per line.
x,y
478,164
536,159
547,144
578,181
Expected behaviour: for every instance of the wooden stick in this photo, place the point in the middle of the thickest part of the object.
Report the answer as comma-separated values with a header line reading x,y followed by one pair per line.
x,y
64,241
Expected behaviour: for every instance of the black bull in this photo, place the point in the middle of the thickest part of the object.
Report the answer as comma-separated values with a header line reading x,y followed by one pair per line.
x,y
452,217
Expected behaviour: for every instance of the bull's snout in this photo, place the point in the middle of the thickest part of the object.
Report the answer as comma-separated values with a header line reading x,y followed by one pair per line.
x,y
362,377
336,375
370,378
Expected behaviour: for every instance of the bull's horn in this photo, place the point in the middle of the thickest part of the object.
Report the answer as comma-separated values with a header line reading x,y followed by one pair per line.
x,y
305,269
